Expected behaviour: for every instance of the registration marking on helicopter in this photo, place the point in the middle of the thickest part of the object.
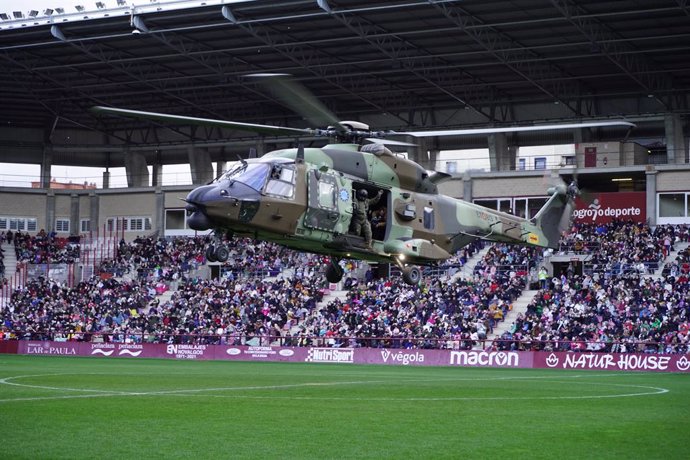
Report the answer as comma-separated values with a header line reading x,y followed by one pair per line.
x,y
486,216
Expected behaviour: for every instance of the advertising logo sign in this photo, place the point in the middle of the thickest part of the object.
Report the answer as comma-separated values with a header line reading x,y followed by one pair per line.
x,y
615,361
485,358
330,355
183,351
606,207
51,348
402,357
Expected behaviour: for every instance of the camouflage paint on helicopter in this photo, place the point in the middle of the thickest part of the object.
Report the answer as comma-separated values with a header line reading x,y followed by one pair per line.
x,y
302,198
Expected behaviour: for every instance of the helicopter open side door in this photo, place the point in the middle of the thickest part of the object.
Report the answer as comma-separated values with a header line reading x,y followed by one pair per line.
x,y
329,202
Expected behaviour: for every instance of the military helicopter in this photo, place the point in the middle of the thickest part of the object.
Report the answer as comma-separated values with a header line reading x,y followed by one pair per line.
x,y
304,198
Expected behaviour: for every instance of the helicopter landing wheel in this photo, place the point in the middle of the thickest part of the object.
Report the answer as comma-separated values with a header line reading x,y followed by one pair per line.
x,y
221,253
211,253
334,272
411,275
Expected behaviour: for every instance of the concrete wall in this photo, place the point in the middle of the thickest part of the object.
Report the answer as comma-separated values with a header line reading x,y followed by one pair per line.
x,y
673,181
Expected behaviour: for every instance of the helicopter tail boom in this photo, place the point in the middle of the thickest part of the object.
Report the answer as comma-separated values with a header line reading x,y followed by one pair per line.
x,y
555,216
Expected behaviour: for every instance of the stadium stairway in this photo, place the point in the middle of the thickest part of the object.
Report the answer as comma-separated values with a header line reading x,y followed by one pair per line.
x,y
519,306
467,270
10,259
330,296
670,258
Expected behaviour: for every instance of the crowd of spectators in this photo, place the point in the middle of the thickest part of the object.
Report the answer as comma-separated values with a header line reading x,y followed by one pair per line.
x,y
46,248
200,311
439,313
622,247
619,310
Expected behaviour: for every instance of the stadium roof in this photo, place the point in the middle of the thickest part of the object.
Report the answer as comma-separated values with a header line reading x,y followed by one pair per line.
x,y
394,64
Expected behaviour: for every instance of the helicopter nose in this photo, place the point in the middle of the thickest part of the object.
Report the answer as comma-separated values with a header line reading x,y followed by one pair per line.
x,y
199,195
217,205
197,219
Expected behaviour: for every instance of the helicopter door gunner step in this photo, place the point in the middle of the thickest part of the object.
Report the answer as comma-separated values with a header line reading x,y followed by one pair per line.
x,y
360,215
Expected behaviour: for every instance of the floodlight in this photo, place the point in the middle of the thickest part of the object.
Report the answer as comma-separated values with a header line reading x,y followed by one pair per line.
x,y
47,12
60,10
33,13
4,17
100,5
121,2
79,8
18,14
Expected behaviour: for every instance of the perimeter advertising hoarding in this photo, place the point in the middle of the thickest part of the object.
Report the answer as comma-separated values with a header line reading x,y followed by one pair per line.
x,y
602,208
385,356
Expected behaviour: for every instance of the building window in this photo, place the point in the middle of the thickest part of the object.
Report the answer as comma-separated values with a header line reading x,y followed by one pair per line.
x,y
62,225
672,205
175,219
569,160
128,224
85,225
18,223
528,207
451,167
540,163
522,164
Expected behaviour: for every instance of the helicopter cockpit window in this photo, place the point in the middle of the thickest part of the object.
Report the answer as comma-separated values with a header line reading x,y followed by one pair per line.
x,y
253,175
281,182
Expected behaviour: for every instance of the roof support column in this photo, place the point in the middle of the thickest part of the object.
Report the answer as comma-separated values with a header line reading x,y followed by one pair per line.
x,y
50,211
159,218
156,174
501,155
74,227
94,209
651,174
676,145
467,187
201,165
221,166
582,135
137,170
419,154
106,178
46,165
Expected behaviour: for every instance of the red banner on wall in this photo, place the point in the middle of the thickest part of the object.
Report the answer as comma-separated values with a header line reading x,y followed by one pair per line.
x,y
602,208
384,356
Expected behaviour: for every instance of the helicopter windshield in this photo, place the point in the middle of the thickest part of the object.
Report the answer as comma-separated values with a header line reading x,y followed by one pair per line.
x,y
253,175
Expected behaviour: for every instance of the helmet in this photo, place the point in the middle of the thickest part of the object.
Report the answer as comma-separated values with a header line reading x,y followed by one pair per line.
x,y
362,194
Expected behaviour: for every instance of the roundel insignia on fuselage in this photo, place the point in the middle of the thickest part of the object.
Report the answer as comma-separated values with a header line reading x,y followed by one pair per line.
x,y
344,194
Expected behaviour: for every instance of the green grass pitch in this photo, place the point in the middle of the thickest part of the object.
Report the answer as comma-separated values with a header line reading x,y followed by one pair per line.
x,y
55,407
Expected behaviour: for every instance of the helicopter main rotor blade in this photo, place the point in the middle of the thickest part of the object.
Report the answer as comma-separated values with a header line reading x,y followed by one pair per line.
x,y
512,129
261,129
299,99
374,140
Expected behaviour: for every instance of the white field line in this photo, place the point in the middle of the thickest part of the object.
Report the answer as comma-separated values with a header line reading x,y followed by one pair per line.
x,y
92,393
